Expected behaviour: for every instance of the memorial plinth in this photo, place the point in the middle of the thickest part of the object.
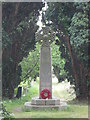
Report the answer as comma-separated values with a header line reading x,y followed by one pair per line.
x,y
47,36
45,104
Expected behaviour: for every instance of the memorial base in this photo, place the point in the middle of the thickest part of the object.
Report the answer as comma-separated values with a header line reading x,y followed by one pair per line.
x,y
45,104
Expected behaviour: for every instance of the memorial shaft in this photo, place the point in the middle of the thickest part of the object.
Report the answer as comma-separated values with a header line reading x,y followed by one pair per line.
x,y
45,68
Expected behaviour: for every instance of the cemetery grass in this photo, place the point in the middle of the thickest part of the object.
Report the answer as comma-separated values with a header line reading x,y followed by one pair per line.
x,y
75,109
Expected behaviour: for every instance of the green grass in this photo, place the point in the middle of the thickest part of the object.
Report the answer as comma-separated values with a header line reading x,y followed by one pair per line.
x,y
75,108
72,111
16,103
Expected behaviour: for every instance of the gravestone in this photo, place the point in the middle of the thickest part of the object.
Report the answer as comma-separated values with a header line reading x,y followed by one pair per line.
x,y
45,36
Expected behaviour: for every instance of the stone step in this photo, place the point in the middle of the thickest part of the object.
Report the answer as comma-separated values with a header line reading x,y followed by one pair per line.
x,y
37,101
29,106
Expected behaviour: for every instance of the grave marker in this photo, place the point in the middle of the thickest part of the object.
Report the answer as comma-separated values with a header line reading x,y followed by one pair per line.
x,y
45,36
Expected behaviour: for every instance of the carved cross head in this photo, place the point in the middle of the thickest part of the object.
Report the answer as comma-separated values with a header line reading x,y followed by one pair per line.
x,y
45,34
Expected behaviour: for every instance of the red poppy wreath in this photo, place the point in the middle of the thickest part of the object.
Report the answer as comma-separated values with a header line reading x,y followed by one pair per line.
x,y
45,93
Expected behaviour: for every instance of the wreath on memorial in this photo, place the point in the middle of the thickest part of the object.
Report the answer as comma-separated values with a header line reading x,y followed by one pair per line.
x,y
45,93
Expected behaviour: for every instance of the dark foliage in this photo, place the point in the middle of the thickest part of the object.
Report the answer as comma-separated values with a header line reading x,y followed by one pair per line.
x,y
19,27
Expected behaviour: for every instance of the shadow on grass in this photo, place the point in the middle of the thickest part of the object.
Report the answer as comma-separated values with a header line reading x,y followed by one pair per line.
x,y
78,102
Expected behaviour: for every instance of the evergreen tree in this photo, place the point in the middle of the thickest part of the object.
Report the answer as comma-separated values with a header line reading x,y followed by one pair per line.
x,y
19,27
70,20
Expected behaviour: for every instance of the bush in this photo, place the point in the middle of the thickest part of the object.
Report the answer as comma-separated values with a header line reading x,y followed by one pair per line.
x,y
4,113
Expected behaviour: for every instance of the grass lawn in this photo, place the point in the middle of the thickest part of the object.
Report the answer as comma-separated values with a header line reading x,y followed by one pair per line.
x,y
75,109
72,111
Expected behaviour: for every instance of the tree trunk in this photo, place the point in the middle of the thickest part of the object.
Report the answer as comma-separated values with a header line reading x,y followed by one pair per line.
x,y
73,66
9,92
57,73
79,74
82,77
84,89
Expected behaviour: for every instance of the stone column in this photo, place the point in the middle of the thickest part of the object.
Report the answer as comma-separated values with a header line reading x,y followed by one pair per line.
x,y
45,68
45,37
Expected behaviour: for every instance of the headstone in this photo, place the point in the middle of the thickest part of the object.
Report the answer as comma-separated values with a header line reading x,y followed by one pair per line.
x,y
25,91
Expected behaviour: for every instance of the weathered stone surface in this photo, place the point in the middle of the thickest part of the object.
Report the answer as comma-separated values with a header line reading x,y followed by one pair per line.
x,y
29,106
57,102
50,102
53,101
38,102
45,68
46,35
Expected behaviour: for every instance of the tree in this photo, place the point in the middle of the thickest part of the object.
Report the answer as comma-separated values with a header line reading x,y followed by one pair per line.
x,y
69,19
58,63
79,34
19,27
31,64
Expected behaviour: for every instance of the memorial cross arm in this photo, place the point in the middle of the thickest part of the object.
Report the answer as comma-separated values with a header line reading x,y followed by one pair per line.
x,y
46,33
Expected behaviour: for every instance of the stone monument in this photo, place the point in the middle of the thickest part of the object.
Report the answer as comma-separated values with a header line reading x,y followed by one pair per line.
x,y
45,100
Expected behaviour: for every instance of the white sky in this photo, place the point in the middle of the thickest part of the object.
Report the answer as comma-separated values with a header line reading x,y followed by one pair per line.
x,y
39,23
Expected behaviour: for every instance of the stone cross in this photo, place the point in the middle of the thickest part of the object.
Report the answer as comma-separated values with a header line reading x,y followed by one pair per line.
x,y
45,36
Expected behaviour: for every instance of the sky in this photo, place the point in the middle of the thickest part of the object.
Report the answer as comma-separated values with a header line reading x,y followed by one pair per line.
x,y
39,23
